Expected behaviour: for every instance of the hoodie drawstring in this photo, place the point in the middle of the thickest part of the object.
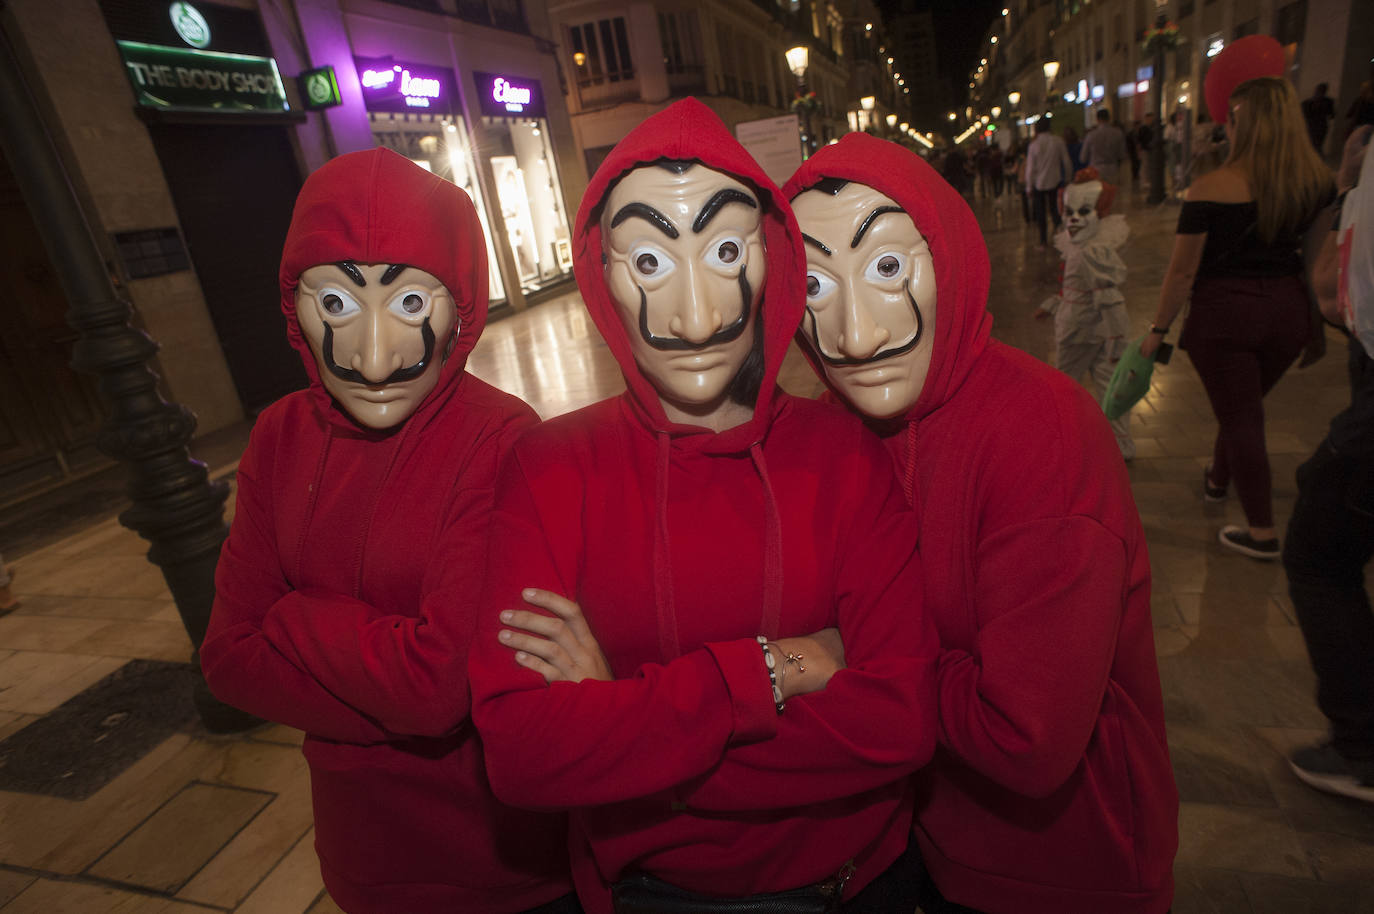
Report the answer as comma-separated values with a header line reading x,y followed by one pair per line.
x,y
909,473
663,563
664,605
772,549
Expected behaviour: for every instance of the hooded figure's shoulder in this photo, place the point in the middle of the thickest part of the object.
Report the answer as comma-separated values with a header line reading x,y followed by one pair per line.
x,y
482,403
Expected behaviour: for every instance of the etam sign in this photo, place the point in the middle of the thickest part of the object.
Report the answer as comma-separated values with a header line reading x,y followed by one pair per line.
x,y
505,95
397,86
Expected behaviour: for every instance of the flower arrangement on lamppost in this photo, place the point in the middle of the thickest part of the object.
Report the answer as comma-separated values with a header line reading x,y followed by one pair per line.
x,y
805,102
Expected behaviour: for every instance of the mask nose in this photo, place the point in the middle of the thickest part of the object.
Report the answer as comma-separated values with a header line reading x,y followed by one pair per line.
x,y
860,336
377,356
697,318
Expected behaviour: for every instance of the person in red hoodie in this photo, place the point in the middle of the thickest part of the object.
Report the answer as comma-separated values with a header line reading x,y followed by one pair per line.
x,y
1050,789
361,524
703,521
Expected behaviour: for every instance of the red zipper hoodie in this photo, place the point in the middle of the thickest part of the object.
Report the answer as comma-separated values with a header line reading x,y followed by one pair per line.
x,y
321,619
681,545
1051,789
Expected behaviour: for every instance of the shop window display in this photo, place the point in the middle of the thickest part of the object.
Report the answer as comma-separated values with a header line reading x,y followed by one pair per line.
x,y
530,199
439,143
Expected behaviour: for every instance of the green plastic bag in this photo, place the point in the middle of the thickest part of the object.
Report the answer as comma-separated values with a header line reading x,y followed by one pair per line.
x,y
1131,380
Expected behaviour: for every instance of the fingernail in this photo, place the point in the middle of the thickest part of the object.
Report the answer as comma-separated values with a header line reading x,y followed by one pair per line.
x,y
504,636
521,655
507,615
527,593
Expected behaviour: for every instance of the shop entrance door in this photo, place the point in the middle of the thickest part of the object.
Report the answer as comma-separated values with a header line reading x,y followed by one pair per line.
x,y
49,414
234,187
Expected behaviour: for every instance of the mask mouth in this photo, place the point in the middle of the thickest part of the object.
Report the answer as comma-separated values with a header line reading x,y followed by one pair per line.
x,y
726,334
891,352
399,376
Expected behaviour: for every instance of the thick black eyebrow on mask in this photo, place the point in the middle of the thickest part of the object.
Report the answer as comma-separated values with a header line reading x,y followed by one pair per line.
x,y
817,243
859,235
353,272
719,199
391,272
647,213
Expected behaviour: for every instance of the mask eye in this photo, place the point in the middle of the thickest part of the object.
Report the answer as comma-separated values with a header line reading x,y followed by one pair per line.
x,y
727,253
885,268
1083,211
818,286
337,302
651,262
412,303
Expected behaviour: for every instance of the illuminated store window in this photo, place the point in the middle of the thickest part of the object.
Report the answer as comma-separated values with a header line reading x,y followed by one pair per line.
x,y
439,143
524,170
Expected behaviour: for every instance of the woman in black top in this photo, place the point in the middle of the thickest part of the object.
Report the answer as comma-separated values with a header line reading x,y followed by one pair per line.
x,y
1238,257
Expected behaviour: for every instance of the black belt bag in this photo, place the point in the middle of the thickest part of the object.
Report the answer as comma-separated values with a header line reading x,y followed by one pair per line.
x,y
643,894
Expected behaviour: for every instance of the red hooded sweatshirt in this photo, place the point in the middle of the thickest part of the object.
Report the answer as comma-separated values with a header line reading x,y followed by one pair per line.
x,y
321,619
1051,790
681,545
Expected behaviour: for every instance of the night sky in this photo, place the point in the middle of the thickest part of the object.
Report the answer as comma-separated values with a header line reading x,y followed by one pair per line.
x,y
959,27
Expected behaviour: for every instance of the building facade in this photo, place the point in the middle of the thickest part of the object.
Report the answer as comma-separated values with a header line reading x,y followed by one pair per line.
x,y
1097,45
187,129
624,61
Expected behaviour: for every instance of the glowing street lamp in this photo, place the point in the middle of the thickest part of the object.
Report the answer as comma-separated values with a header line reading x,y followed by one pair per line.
x,y
953,116
797,59
1051,69
891,120
1013,98
996,111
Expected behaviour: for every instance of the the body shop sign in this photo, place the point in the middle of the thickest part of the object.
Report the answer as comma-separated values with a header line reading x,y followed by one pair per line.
x,y
185,80
398,87
506,95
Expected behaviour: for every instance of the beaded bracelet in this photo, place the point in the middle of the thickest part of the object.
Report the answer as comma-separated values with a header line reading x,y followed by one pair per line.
x,y
769,662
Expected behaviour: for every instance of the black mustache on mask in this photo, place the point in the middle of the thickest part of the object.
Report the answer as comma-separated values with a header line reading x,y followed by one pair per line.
x,y
400,375
725,334
881,354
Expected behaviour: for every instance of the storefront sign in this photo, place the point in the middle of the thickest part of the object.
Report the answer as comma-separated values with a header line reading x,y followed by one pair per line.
x,y
396,86
504,95
319,88
186,80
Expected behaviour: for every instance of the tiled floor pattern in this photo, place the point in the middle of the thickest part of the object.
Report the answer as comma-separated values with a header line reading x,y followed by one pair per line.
x,y
224,824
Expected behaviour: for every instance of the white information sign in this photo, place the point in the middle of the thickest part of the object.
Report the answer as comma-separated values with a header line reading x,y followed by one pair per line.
x,y
775,143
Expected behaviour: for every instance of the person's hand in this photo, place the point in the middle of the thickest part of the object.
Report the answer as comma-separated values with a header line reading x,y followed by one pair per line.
x,y
561,649
1150,344
1353,157
817,657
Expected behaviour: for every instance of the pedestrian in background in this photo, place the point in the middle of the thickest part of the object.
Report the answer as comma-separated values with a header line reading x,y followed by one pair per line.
x,y
1318,111
1075,146
1047,167
1238,255
1330,537
1104,148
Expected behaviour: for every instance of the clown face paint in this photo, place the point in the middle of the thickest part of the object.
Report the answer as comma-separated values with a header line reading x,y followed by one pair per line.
x,y
870,296
685,266
1080,210
374,329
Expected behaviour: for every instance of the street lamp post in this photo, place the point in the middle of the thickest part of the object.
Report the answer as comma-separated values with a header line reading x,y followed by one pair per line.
x,y
1013,101
175,505
1157,105
1051,69
797,59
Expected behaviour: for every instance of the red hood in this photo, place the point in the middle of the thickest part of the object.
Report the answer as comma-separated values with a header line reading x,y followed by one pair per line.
x,y
378,207
690,130
962,322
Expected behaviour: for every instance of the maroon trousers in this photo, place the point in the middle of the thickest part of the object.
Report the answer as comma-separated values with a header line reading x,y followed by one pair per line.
x,y
1241,335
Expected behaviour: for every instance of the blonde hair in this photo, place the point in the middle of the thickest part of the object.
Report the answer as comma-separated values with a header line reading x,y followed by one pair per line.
x,y
1269,144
